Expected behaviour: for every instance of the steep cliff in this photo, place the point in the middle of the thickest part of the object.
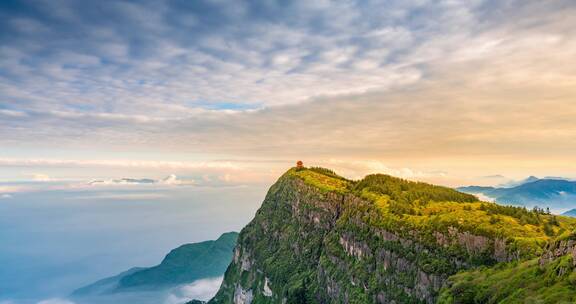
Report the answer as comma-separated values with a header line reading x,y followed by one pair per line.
x,y
319,238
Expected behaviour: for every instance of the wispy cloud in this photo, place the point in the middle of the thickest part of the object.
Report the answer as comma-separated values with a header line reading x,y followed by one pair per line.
x,y
120,196
10,189
202,290
41,177
114,163
55,301
179,58
407,83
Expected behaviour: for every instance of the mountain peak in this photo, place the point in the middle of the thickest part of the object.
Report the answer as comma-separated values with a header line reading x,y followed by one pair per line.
x,y
321,238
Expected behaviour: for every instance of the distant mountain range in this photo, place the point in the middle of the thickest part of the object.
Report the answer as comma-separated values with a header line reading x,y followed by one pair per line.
x,y
182,265
571,212
515,183
105,285
168,180
555,193
123,181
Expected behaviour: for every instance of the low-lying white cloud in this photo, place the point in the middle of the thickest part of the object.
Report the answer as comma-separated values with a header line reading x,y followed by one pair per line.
x,y
40,177
172,179
484,197
56,301
120,196
202,290
11,189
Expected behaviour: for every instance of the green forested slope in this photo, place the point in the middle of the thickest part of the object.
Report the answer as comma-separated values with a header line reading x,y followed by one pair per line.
x,y
320,238
186,263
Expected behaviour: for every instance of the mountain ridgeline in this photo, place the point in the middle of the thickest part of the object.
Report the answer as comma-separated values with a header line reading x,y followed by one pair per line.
x,y
320,238
554,193
184,264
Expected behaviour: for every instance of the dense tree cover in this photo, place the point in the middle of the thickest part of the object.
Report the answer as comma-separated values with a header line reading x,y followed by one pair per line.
x,y
288,257
409,192
521,213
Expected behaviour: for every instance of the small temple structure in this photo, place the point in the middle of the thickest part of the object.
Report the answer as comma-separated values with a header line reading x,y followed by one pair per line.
x,y
299,164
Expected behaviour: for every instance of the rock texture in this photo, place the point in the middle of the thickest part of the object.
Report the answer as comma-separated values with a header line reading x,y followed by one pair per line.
x,y
558,249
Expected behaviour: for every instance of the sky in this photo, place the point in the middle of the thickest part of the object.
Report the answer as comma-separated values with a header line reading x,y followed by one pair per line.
x,y
203,104
445,91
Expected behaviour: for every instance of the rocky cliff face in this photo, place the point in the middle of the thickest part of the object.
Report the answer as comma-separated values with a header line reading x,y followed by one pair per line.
x,y
559,249
323,241
278,253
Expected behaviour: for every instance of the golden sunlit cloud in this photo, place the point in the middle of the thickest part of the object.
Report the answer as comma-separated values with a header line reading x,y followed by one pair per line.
x,y
491,90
